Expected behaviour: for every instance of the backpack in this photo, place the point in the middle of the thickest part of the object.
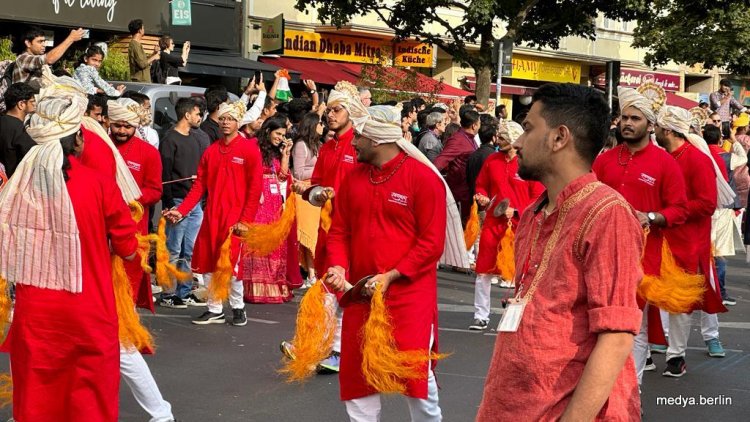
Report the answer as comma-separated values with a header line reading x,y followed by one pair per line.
x,y
6,70
158,73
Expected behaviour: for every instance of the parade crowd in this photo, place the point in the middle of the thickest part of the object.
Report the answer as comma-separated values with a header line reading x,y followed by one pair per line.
x,y
606,229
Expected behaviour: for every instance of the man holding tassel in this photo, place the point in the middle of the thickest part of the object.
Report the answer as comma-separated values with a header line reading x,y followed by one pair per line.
x,y
398,235
498,185
651,181
230,172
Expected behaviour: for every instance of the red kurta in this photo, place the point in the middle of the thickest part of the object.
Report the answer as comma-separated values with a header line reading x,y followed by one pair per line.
x,y
399,223
98,155
64,347
232,176
144,163
336,159
499,179
691,241
588,274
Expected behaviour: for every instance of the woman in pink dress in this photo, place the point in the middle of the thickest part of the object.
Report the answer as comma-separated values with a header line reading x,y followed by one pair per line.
x,y
268,279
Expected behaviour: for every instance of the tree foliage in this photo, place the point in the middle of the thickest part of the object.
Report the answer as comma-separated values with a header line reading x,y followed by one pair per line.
x,y
536,23
711,32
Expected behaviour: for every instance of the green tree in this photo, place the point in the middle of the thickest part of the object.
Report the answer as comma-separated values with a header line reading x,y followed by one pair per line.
x,y
711,32
535,23
5,49
115,66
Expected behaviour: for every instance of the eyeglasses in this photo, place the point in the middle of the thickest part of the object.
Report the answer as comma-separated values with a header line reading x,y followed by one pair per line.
x,y
716,121
335,109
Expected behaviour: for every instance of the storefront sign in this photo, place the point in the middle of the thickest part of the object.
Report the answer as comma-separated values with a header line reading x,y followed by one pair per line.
x,y
543,69
325,46
97,14
181,15
272,35
633,78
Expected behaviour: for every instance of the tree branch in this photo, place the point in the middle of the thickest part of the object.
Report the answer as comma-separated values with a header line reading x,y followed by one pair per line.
x,y
520,17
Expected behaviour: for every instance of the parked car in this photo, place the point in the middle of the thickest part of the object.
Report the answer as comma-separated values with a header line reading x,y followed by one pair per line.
x,y
163,99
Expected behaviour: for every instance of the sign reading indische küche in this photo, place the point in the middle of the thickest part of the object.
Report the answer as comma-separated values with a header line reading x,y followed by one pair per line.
x,y
97,14
326,46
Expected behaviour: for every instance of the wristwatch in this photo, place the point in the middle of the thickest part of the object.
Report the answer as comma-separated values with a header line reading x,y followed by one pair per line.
x,y
651,217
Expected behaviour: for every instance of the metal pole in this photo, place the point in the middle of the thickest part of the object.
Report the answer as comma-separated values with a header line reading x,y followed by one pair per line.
x,y
499,81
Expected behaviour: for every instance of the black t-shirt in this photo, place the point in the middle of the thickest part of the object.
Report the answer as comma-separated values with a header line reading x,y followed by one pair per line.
x,y
14,143
180,156
212,129
169,63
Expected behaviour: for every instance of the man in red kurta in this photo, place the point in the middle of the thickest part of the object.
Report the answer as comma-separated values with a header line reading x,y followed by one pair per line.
x,y
63,341
230,172
563,351
651,181
691,241
396,234
498,184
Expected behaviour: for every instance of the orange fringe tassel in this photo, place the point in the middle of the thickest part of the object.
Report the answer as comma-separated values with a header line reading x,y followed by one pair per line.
x,y
675,290
505,261
5,306
326,215
262,239
166,272
132,332
6,390
136,211
313,335
218,288
472,227
385,367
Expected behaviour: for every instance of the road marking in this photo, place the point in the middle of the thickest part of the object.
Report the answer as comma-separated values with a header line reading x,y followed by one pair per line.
x,y
460,375
261,321
459,330
740,325
449,307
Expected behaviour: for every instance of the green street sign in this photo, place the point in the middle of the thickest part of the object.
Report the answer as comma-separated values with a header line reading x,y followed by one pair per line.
x,y
181,15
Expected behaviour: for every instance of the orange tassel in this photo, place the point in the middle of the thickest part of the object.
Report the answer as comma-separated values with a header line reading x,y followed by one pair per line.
x,y
132,332
5,306
675,290
313,335
136,211
166,272
6,390
505,261
385,367
472,227
326,215
262,239
218,288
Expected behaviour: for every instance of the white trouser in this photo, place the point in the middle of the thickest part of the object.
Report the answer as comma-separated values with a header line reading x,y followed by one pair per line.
x,y
136,374
640,346
664,321
679,331
367,409
235,295
482,289
333,304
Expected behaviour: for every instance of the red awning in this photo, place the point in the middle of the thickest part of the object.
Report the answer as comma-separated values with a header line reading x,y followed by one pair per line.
x,y
320,71
676,100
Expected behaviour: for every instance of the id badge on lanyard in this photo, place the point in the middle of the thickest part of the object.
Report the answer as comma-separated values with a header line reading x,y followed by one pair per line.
x,y
274,188
511,319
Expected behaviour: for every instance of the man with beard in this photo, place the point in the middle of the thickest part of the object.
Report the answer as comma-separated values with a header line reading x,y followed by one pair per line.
x,y
498,182
691,241
564,344
651,181
230,172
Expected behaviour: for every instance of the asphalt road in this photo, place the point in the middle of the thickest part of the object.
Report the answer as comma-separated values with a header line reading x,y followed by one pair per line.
x,y
226,373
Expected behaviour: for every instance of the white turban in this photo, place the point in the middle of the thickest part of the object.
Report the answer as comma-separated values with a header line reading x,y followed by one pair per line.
x,y
126,110
629,97
678,120
39,237
343,94
510,131
235,110
382,124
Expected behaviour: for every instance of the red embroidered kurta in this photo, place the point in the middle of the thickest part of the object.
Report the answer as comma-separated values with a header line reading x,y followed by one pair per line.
x,y
98,155
144,163
587,277
499,179
691,241
399,223
64,347
232,176
336,159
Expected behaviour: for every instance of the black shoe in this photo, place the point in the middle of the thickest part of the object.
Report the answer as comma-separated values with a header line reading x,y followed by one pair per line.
x,y
675,367
173,302
239,318
209,317
478,325
650,365
729,301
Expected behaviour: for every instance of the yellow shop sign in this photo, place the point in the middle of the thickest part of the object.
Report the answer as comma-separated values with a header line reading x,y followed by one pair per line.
x,y
544,69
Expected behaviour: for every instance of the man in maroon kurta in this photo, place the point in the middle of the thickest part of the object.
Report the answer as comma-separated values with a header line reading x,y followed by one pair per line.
x,y
498,183
397,235
144,163
651,181
230,172
691,241
563,351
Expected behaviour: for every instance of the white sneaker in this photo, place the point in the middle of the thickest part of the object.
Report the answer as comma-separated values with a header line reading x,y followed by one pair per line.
x,y
156,289
506,284
495,281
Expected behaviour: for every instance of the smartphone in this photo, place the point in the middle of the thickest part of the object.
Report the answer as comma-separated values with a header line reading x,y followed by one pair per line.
x,y
86,33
